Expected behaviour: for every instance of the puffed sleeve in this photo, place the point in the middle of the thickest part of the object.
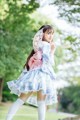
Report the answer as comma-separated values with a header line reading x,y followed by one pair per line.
x,y
45,51
45,48
52,58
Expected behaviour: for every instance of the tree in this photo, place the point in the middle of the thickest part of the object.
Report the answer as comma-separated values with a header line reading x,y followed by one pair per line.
x,y
1,88
15,36
70,99
69,10
13,17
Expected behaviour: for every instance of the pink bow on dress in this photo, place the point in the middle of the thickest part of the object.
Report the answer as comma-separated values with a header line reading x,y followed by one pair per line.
x,y
35,60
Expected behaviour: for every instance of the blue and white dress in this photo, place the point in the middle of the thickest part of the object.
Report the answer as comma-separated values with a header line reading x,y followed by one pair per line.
x,y
40,78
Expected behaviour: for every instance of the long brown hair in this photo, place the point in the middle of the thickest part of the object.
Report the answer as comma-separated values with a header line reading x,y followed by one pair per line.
x,y
45,27
30,55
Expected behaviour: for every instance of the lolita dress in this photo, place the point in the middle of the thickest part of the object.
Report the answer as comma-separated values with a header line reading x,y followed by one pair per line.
x,y
41,75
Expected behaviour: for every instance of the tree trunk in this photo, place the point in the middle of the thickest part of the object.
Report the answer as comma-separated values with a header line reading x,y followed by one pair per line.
x,y
1,88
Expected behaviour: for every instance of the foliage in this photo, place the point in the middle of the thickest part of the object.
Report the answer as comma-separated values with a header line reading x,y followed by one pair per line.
x,y
70,99
15,38
69,9
15,29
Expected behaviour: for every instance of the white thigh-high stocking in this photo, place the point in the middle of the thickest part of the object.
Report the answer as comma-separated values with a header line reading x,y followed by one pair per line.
x,y
14,108
41,110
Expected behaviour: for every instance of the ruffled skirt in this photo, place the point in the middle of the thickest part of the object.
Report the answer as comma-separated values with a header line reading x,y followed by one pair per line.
x,y
34,80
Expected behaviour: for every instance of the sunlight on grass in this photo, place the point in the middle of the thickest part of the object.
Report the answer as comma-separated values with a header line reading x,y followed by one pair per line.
x,y
28,113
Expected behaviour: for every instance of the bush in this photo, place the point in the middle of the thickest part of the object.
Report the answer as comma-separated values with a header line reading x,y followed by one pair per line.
x,y
70,99
6,94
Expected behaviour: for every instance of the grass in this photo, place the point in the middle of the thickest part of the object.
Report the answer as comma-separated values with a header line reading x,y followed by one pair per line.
x,y
28,113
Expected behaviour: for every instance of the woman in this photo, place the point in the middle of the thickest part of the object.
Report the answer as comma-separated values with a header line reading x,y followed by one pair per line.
x,y
37,76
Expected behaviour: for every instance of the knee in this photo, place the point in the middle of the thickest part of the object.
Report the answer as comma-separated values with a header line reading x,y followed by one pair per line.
x,y
40,96
41,99
23,96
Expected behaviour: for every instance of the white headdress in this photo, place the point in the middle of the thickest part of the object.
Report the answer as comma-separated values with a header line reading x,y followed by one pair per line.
x,y
37,40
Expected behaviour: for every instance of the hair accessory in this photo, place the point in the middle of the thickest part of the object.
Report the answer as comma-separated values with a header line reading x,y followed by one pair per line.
x,y
37,39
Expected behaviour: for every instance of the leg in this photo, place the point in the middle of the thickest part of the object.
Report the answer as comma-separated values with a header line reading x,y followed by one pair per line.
x,y
41,105
24,96
40,96
17,104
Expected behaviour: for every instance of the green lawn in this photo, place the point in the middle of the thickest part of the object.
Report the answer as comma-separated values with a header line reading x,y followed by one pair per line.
x,y
28,113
